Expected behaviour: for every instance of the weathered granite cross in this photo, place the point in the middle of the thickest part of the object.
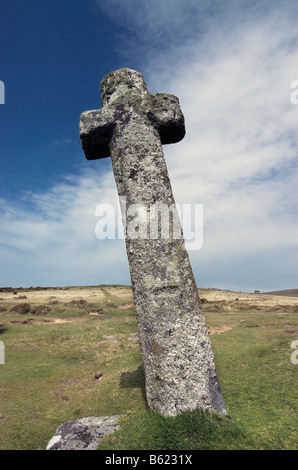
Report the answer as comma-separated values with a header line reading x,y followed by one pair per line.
x,y
176,350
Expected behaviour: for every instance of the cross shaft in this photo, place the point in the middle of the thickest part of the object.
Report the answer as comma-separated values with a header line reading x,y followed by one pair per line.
x,y
177,357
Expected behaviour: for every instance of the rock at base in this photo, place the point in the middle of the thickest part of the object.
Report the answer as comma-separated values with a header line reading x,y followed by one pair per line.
x,y
84,433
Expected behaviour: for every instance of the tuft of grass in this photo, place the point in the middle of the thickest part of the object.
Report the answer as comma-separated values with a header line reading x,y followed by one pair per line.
x,y
148,430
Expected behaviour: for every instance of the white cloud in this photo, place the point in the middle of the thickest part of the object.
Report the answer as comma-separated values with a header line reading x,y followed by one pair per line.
x,y
49,239
231,67
239,154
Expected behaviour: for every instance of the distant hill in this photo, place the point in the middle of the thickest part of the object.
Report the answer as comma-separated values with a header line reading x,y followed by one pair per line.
x,y
286,293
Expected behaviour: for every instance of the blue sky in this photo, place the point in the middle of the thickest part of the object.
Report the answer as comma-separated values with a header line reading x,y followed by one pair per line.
x,y
230,63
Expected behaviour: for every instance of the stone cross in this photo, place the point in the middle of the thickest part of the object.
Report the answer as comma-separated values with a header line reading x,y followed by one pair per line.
x,y
131,127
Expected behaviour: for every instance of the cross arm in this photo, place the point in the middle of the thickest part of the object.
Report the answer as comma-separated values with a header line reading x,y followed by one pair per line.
x,y
96,130
166,115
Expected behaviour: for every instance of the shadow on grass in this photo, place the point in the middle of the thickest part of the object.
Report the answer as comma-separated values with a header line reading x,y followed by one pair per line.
x,y
134,379
2,329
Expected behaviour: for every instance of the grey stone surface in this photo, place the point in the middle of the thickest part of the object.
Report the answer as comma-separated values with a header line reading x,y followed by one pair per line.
x,y
84,433
176,351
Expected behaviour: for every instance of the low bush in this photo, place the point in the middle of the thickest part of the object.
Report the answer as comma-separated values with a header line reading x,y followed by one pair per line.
x,y
40,310
21,309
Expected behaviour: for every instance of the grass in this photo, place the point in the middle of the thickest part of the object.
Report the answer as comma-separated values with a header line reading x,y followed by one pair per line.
x,y
49,373
147,430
